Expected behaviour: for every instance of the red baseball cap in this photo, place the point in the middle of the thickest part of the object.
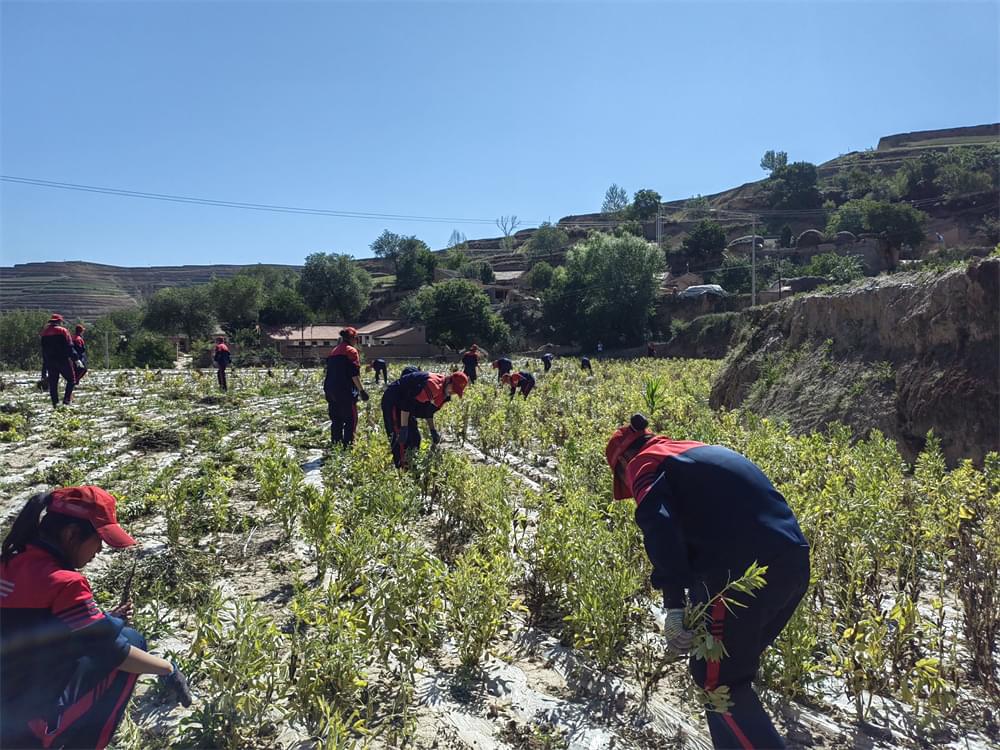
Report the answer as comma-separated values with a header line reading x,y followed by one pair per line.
x,y
80,328
56,318
94,504
620,442
458,382
349,332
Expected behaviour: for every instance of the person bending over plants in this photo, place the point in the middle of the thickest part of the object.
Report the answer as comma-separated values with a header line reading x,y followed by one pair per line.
x,y
416,394
503,366
523,381
707,514
68,667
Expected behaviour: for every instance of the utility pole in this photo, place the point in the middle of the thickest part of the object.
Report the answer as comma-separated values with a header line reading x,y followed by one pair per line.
x,y
107,351
659,227
753,261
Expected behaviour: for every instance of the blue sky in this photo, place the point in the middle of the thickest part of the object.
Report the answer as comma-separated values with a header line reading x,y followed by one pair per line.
x,y
467,110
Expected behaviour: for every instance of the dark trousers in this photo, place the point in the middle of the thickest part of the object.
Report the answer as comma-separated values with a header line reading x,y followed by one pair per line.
x,y
223,384
90,709
390,418
54,370
547,364
746,632
383,371
343,420
471,372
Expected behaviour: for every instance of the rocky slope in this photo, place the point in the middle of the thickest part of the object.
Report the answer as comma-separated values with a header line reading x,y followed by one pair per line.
x,y
904,354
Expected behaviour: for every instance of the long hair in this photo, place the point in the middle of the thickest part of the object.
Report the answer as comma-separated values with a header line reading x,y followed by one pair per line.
x,y
30,526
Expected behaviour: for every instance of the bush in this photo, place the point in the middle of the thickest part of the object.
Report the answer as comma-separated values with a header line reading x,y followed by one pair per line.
x,y
151,350
838,268
21,348
539,277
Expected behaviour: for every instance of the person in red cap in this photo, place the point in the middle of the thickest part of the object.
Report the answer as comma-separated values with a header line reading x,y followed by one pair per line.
x,y
342,388
68,667
706,514
522,380
222,358
416,394
58,359
79,353
470,361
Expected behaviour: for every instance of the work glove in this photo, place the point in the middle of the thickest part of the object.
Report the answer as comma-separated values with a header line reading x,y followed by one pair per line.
x,y
435,437
79,364
364,395
404,435
679,638
176,684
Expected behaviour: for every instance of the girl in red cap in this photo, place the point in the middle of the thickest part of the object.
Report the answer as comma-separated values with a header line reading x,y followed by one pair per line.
x,y
222,358
68,667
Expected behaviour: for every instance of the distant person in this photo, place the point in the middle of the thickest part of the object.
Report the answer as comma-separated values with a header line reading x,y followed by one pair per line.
x,y
415,395
222,359
342,388
547,361
600,347
503,366
79,353
706,514
523,381
650,349
58,359
470,361
69,668
585,365
380,367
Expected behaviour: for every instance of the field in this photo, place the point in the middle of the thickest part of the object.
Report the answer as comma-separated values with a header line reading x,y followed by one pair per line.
x,y
495,595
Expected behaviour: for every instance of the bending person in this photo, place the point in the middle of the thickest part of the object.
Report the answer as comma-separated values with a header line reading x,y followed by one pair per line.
x,y
416,395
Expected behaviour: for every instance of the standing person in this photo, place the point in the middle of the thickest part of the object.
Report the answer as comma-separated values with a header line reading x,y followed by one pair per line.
x,y
416,394
547,361
68,667
342,388
57,359
585,365
522,380
600,347
706,514
79,353
470,361
650,349
380,368
503,366
222,359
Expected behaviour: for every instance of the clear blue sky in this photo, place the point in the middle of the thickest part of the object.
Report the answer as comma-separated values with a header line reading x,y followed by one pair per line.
x,y
468,110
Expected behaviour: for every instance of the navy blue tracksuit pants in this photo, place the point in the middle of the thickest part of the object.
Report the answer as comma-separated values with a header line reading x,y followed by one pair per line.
x,y
746,633
343,414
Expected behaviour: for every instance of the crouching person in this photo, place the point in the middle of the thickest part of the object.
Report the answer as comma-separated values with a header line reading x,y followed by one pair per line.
x,y
706,514
69,668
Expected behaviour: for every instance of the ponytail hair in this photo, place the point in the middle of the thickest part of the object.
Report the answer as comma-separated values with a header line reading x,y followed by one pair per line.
x,y
25,527
30,525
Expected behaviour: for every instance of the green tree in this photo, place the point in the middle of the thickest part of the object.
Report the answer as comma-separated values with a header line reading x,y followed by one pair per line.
x,y
794,186
772,160
188,310
540,276
645,203
415,264
838,268
850,217
150,350
706,240
735,274
455,259
479,270
605,292
21,348
615,199
110,338
896,224
285,306
335,286
456,312
386,246
546,241
916,179
237,300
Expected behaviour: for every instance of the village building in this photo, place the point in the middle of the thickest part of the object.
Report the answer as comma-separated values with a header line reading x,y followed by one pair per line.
x,y
388,339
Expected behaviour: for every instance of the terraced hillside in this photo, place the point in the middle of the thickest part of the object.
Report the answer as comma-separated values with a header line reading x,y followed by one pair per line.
x,y
88,290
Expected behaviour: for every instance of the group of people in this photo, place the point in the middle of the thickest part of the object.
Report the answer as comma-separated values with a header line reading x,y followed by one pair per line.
x,y
705,512
64,355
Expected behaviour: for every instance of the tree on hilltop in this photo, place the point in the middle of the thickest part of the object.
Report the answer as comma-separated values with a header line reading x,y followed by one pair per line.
x,y
615,199
772,160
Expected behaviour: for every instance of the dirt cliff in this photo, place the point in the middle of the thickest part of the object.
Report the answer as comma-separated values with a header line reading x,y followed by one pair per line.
x,y
904,354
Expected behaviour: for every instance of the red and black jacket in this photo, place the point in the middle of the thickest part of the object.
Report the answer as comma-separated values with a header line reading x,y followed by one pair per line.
x,y
57,348
707,513
222,356
48,621
343,364
419,393
470,361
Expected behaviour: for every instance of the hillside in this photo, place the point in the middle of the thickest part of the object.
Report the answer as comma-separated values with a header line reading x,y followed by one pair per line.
x,y
80,289
90,289
903,354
